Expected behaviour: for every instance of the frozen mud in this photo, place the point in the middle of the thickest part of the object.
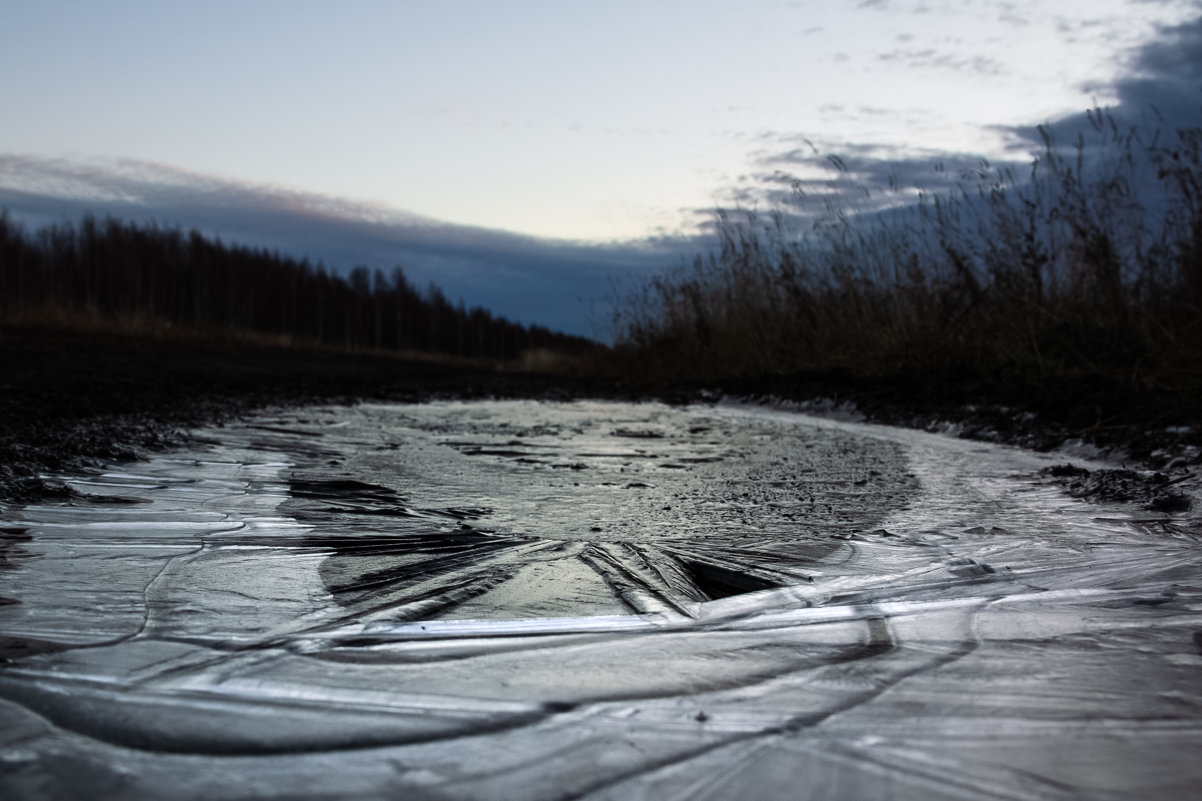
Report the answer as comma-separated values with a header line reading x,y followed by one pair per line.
x,y
529,600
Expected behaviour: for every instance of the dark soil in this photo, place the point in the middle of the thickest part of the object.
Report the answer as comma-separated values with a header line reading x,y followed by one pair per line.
x,y
71,400
1154,491
1146,426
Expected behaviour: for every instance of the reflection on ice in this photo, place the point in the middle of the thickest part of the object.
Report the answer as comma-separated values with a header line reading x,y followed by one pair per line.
x,y
519,600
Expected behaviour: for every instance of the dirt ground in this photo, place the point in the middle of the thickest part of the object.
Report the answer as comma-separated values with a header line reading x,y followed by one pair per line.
x,y
70,399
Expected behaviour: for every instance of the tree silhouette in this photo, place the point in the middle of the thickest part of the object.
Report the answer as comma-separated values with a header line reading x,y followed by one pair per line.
x,y
113,268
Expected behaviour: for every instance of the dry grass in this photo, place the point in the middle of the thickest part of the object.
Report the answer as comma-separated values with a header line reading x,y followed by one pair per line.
x,y
1092,263
145,326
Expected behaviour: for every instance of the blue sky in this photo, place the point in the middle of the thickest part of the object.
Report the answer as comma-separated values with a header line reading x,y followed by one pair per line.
x,y
524,155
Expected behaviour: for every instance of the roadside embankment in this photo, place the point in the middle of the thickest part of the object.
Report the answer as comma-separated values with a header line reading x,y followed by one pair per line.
x,y
70,399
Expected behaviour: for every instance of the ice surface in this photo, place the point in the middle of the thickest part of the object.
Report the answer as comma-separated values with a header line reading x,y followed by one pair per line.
x,y
528,600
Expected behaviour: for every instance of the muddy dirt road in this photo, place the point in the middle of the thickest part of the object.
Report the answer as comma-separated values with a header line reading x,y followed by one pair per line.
x,y
607,600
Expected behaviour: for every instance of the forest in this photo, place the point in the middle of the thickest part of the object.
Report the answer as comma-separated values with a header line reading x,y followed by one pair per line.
x,y
113,270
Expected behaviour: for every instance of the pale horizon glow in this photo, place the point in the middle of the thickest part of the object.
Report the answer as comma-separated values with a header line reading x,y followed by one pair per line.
x,y
573,121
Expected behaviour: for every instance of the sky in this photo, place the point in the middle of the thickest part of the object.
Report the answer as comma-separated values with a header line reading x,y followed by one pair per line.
x,y
527,155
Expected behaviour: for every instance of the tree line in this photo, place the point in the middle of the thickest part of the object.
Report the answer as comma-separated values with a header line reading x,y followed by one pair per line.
x,y
117,268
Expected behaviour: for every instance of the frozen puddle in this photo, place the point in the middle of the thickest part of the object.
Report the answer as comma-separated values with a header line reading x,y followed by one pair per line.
x,y
519,600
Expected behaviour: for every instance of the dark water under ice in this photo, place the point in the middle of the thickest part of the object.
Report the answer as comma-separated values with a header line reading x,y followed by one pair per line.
x,y
530,600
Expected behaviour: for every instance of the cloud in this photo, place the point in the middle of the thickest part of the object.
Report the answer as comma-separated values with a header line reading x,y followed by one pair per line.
x,y
929,58
1161,82
1011,14
895,7
1161,86
564,285
1166,74
806,178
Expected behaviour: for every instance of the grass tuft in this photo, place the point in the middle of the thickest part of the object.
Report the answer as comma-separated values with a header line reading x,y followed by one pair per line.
x,y
1090,264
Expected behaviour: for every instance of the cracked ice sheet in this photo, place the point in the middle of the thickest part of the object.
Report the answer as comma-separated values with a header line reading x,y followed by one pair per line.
x,y
413,600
